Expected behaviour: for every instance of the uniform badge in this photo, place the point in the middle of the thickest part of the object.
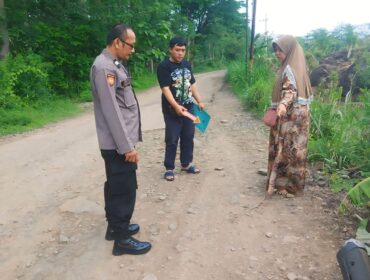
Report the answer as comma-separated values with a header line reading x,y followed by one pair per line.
x,y
111,79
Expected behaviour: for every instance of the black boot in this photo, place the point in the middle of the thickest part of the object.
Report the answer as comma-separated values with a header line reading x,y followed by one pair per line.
x,y
130,245
112,235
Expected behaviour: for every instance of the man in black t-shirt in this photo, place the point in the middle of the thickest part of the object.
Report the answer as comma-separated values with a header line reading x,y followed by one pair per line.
x,y
179,91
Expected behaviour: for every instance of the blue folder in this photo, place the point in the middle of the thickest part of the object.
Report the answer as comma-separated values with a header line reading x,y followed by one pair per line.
x,y
204,118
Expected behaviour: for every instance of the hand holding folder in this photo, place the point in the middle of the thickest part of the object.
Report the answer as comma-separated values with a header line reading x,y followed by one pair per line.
x,y
195,119
204,119
200,118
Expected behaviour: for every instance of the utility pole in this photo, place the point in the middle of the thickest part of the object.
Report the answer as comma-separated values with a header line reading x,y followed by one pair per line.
x,y
265,20
251,55
246,39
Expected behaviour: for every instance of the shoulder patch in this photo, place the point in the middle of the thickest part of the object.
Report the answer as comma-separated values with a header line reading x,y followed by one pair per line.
x,y
111,79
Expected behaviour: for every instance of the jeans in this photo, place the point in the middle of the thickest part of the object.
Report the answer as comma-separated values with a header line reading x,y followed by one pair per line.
x,y
178,128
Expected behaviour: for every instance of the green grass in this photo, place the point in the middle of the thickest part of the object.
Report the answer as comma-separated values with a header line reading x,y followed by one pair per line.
x,y
144,80
339,136
28,118
359,195
254,90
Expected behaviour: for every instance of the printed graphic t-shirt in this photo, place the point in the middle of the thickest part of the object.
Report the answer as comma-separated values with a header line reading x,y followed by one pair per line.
x,y
179,78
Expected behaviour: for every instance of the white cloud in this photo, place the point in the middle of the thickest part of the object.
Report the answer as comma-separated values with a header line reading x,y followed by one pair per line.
x,y
299,17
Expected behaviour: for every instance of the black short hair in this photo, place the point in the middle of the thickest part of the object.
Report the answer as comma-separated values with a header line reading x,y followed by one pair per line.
x,y
274,46
177,41
117,31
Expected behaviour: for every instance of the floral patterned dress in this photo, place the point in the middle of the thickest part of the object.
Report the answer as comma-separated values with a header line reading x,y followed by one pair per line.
x,y
288,141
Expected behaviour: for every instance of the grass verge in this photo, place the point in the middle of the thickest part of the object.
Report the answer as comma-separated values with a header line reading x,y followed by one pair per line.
x,y
28,118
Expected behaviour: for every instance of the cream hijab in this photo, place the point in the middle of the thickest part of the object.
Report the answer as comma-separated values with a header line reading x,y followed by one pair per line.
x,y
297,62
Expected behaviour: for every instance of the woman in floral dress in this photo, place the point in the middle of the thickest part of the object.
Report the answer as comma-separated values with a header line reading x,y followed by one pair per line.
x,y
291,97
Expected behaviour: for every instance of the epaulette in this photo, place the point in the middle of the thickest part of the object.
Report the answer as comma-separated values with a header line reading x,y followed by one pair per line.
x,y
117,63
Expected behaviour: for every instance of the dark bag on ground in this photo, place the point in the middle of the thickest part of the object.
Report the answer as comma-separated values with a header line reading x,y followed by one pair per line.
x,y
353,261
270,117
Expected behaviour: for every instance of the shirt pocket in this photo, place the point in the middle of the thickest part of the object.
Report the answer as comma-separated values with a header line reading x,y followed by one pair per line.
x,y
124,90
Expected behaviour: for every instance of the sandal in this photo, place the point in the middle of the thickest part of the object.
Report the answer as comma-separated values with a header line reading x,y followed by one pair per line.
x,y
169,175
285,193
191,169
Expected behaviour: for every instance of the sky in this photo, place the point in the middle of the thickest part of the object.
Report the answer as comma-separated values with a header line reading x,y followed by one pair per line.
x,y
299,17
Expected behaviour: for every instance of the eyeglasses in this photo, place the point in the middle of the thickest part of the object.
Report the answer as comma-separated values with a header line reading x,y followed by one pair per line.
x,y
128,44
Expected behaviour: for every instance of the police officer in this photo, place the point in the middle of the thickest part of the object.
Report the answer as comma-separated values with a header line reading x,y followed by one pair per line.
x,y
117,118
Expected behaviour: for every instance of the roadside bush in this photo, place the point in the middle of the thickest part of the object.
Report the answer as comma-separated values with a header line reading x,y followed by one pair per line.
x,y
340,138
8,99
254,90
13,118
237,78
23,80
85,94
361,78
261,83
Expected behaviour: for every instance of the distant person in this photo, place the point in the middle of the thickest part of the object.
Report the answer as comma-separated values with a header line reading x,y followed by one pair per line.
x,y
291,97
178,87
118,126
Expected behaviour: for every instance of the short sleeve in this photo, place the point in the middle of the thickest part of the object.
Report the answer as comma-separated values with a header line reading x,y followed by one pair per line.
x,y
163,75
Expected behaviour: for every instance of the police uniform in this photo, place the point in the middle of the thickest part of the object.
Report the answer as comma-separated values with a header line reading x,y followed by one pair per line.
x,y
118,126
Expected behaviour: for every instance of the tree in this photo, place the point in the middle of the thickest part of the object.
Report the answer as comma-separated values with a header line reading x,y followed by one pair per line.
x,y
216,28
320,43
347,35
68,34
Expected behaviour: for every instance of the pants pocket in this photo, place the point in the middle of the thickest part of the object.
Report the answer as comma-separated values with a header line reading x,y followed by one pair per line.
x,y
121,175
123,183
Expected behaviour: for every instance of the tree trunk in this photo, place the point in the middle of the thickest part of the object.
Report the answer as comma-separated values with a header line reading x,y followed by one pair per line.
x,y
188,52
209,52
151,66
349,52
4,39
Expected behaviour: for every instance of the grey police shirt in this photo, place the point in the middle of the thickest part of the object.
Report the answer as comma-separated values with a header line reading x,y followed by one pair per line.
x,y
117,115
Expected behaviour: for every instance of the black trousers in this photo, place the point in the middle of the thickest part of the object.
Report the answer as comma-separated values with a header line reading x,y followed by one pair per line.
x,y
183,129
119,190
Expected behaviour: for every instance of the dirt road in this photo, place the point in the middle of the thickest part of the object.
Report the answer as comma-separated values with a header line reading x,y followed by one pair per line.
x,y
214,225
